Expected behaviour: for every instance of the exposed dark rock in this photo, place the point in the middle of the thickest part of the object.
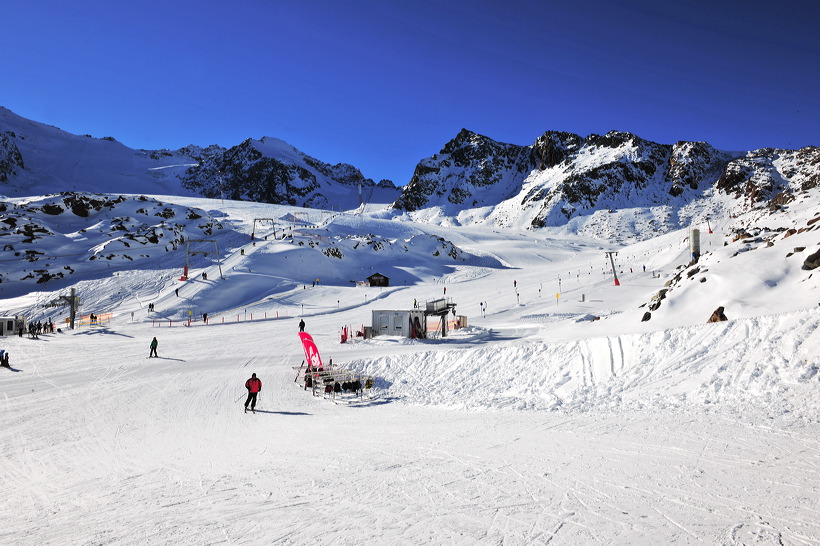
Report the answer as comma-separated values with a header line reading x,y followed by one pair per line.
x,y
717,316
657,298
53,209
10,157
465,166
812,262
552,148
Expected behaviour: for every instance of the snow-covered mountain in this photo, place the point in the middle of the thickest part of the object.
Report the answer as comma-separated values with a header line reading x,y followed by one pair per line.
x,y
569,410
617,186
601,184
36,158
46,240
616,189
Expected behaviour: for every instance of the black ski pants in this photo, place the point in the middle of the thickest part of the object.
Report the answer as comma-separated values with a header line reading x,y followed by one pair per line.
x,y
251,399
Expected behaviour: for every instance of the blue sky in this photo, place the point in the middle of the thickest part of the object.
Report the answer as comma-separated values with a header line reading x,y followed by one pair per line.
x,y
383,84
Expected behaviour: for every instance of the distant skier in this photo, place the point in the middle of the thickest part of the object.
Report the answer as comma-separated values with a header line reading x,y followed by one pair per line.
x,y
254,385
302,325
154,344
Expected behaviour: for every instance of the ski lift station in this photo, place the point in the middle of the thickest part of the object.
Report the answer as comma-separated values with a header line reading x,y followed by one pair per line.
x,y
11,325
412,323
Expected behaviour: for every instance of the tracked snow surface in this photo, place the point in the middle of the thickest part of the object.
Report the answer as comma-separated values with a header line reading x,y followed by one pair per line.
x,y
555,416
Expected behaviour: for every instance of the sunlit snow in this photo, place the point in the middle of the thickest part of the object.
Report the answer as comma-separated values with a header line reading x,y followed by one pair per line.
x,y
556,415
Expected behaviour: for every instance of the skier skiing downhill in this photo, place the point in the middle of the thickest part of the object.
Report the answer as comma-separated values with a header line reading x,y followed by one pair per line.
x,y
254,385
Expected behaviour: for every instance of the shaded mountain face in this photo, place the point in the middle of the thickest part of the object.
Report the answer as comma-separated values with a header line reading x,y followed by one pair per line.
x,y
458,176
10,157
36,158
563,176
271,171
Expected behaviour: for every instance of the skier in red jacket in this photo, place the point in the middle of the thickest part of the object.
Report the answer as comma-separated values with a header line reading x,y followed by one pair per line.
x,y
254,385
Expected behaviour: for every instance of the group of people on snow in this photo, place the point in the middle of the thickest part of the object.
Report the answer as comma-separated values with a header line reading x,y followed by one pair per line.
x,y
37,328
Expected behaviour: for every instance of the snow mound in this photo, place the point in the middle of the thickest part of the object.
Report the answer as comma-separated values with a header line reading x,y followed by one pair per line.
x,y
748,365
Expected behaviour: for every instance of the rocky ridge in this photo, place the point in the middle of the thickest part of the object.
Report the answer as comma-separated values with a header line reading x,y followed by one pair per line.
x,y
35,158
564,177
617,187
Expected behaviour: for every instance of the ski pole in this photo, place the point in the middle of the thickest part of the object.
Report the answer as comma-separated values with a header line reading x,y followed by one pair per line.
x,y
238,399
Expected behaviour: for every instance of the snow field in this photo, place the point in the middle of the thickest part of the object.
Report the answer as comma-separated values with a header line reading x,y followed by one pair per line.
x,y
534,425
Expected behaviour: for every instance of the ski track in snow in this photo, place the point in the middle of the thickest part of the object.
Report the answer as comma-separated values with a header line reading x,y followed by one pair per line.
x,y
159,451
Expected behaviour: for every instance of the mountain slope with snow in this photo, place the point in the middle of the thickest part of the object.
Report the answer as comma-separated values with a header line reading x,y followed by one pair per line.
x,y
564,179
568,409
37,159
547,419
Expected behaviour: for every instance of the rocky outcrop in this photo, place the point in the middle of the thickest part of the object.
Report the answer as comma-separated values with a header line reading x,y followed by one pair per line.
x,y
10,157
771,174
812,262
246,172
717,316
553,148
692,164
470,171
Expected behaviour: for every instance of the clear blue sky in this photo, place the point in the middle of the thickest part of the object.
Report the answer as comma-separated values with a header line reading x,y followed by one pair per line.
x,y
382,84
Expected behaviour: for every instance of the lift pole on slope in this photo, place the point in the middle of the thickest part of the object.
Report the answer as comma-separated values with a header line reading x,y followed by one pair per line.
x,y
72,301
614,273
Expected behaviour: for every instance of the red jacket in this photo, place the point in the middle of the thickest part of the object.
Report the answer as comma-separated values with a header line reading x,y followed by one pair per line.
x,y
254,384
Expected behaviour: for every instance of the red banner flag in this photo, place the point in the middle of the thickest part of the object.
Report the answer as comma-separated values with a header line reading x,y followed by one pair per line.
x,y
311,352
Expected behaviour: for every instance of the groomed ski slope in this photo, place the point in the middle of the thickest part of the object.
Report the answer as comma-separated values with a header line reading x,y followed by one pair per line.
x,y
455,446
533,425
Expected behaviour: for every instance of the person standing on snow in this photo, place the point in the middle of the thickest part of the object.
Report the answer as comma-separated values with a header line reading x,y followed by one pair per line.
x,y
302,325
154,344
254,385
